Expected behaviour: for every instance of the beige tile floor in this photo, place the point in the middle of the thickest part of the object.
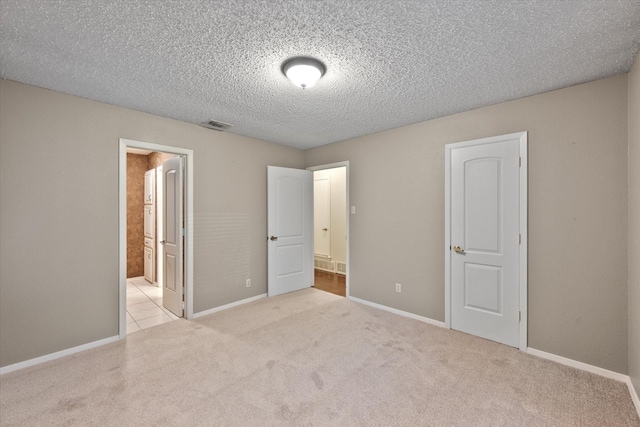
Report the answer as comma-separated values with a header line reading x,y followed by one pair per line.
x,y
144,305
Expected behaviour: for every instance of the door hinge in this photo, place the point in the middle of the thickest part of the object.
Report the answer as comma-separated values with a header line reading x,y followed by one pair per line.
x,y
520,161
519,316
519,239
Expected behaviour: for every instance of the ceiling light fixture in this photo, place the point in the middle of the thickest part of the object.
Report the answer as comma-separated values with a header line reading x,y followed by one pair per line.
x,y
303,72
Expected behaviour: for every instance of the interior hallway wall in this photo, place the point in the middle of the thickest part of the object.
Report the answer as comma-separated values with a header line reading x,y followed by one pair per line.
x,y
577,214
59,215
634,225
338,198
136,167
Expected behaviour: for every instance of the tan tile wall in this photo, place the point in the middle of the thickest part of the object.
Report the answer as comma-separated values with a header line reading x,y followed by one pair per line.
x,y
156,158
136,167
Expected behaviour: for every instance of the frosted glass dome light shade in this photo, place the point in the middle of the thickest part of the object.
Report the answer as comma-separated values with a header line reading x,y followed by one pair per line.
x,y
303,72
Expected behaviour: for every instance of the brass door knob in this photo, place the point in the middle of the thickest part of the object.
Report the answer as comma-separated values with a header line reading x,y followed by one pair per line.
x,y
458,249
273,238
324,229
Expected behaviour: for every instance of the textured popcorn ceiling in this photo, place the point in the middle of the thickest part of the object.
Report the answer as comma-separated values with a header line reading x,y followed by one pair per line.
x,y
389,62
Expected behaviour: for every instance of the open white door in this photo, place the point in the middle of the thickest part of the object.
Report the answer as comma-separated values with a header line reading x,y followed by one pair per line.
x,y
485,267
290,229
172,290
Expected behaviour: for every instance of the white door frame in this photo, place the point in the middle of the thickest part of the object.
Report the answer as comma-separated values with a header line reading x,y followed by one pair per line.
x,y
333,166
122,224
522,137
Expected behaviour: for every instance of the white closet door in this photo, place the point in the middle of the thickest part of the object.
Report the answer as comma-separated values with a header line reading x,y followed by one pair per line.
x,y
149,187
150,221
149,264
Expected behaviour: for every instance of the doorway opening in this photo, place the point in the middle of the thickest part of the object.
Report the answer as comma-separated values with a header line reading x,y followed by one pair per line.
x,y
331,227
155,235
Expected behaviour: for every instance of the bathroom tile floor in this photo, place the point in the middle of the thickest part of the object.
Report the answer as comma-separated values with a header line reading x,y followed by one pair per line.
x,y
144,305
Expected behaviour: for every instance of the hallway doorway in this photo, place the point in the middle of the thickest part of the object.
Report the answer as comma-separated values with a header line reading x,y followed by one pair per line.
x,y
331,227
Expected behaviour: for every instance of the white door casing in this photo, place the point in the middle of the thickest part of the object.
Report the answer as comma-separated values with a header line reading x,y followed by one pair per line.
x,y
485,276
290,229
159,227
322,216
172,185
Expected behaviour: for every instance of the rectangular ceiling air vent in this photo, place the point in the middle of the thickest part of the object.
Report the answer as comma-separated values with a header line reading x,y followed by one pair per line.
x,y
216,125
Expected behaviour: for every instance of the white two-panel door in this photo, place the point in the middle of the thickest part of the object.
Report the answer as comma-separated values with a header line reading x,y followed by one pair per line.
x,y
290,229
485,237
172,188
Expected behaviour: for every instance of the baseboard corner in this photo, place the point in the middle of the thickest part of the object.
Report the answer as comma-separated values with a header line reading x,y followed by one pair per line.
x,y
228,306
634,395
398,312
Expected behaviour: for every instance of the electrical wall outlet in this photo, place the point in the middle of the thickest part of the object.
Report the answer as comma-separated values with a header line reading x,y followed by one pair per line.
x,y
248,283
398,287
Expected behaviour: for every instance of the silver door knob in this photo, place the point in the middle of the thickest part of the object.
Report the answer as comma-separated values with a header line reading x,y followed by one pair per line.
x,y
273,238
458,249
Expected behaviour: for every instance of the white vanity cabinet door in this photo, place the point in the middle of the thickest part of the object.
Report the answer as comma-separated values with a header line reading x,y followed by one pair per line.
x,y
149,264
149,187
150,221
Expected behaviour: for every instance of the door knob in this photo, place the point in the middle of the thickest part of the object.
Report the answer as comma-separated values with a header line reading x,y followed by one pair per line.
x,y
458,249
273,238
162,242
324,229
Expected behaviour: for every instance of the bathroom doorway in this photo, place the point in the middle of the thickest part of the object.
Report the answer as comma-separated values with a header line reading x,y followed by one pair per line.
x,y
156,245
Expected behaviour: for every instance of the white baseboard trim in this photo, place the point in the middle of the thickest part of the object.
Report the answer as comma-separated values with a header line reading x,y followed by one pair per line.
x,y
398,312
227,306
634,395
57,355
578,365
590,368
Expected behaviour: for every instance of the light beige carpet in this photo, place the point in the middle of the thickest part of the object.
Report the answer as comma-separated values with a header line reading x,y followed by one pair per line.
x,y
309,358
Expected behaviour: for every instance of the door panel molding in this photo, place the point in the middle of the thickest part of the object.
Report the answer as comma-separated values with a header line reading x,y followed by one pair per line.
x,y
173,248
122,224
522,139
290,229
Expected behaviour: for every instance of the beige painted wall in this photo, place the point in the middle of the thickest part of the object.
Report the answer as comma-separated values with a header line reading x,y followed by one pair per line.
x,y
634,225
577,214
59,215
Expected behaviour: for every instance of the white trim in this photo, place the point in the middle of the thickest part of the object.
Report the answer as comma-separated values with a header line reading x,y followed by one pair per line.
x,y
227,306
399,312
57,355
592,369
447,237
122,224
523,260
524,243
634,395
578,365
344,164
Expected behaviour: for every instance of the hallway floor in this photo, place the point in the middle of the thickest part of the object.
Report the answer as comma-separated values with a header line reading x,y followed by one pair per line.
x,y
330,282
144,305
